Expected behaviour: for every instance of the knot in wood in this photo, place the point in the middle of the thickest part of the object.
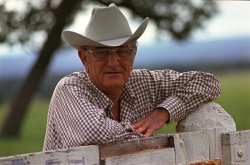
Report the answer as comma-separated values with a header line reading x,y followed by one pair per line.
x,y
240,153
182,143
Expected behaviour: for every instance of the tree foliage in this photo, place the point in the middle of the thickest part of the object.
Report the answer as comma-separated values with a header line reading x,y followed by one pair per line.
x,y
24,23
27,20
176,17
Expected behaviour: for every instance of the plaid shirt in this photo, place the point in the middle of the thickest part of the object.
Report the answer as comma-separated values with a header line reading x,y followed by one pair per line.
x,y
79,113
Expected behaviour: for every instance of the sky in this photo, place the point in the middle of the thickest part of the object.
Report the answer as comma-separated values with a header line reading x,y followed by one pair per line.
x,y
231,21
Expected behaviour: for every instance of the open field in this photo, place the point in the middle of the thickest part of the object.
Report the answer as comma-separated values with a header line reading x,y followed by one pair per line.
x,y
234,99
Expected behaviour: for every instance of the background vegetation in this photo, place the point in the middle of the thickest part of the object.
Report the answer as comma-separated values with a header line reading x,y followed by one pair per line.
x,y
48,18
23,127
234,99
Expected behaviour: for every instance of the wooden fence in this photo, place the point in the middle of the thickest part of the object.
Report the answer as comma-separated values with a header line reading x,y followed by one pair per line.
x,y
212,146
196,148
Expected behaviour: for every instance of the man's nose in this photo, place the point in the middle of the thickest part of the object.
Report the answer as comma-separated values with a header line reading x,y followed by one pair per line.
x,y
112,61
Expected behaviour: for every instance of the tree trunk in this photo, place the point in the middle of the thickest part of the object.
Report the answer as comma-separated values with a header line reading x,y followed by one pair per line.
x,y
18,108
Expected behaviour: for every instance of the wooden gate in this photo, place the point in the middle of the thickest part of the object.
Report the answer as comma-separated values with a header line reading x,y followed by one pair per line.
x,y
218,144
192,148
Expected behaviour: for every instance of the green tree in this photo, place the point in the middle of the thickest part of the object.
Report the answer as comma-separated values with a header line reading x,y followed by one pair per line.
x,y
177,18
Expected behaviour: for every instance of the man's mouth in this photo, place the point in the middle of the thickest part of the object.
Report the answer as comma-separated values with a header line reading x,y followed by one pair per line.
x,y
113,72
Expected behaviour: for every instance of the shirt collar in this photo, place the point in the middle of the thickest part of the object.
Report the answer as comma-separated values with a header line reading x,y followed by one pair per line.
x,y
102,101
97,96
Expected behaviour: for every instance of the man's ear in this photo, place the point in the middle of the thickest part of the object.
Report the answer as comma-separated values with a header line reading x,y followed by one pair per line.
x,y
135,50
83,57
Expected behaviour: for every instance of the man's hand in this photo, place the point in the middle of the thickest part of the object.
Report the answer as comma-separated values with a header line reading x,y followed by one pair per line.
x,y
152,122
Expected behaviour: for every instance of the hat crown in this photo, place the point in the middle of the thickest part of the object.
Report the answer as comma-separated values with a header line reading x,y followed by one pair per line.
x,y
107,23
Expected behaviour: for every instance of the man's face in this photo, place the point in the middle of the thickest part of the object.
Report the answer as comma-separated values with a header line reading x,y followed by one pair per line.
x,y
110,74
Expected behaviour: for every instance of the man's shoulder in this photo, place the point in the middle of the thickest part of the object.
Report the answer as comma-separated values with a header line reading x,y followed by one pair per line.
x,y
74,79
138,75
144,73
150,75
139,72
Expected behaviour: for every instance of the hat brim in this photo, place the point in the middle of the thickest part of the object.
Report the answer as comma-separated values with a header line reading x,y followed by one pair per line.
x,y
78,41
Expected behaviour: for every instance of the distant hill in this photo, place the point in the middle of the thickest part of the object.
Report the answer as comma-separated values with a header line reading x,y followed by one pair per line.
x,y
154,56
197,54
212,56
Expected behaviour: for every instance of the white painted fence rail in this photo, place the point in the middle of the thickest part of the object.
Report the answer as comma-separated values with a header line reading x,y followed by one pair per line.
x,y
211,141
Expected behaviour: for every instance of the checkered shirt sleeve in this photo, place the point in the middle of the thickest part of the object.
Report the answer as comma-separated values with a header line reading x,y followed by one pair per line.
x,y
180,93
79,113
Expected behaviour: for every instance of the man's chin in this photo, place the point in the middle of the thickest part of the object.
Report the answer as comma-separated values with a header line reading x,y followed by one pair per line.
x,y
114,84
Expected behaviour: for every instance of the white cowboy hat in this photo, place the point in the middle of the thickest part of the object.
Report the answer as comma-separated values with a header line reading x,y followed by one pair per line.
x,y
107,27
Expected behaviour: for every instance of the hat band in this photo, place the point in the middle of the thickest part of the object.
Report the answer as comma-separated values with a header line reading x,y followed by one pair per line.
x,y
113,38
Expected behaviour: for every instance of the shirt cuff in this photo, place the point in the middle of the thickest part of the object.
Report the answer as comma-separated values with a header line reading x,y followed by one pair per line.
x,y
174,106
127,125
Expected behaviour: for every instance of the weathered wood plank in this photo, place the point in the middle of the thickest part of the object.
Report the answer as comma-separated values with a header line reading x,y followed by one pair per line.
x,y
178,148
191,147
80,155
215,149
119,148
236,148
153,157
207,116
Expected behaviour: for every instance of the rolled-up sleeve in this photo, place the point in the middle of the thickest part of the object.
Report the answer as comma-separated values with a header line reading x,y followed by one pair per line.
x,y
182,92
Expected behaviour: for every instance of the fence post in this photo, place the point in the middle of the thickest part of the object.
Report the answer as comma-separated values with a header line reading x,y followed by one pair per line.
x,y
236,147
209,116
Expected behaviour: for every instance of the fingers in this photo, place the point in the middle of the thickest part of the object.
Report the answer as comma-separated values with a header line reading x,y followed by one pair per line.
x,y
148,133
146,129
136,125
152,122
140,126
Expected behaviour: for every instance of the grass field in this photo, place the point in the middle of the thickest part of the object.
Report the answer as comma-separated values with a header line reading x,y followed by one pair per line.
x,y
234,99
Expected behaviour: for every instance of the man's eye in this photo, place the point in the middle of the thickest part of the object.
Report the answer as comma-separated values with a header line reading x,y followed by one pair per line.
x,y
102,53
122,51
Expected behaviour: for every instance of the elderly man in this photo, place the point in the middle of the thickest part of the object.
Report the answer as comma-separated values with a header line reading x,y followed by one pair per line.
x,y
110,101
